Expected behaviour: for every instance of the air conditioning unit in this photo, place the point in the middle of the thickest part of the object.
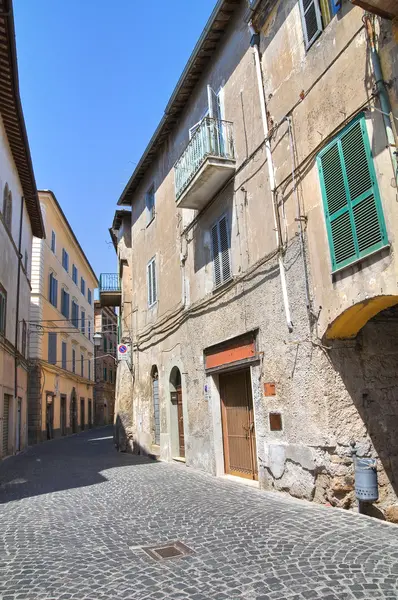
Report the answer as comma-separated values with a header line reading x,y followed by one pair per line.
x,y
388,9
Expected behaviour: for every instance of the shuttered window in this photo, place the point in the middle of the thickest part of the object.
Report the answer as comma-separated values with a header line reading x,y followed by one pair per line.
x,y
74,274
53,290
150,204
75,314
152,287
3,310
73,360
53,241
83,322
315,16
353,211
64,349
65,259
82,286
221,253
65,303
52,348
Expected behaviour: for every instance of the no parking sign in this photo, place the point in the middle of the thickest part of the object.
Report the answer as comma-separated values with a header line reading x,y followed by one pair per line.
x,y
123,352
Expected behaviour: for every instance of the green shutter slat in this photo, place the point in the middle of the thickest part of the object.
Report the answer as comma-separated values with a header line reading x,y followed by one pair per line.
x,y
353,211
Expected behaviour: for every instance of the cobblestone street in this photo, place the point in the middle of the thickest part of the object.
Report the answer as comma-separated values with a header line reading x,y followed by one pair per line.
x,y
74,515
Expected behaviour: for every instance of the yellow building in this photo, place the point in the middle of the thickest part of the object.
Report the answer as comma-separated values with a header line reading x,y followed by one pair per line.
x,y
61,330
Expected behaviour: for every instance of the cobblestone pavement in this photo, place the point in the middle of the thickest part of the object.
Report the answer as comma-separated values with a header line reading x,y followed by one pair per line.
x,y
74,515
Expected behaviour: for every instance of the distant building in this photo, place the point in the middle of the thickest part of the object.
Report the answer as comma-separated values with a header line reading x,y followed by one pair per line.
x,y
105,320
20,219
61,381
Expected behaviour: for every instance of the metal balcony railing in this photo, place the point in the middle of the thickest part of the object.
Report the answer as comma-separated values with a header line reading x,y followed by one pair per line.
x,y
211,138
109,282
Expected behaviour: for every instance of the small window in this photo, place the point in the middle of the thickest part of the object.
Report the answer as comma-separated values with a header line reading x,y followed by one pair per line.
x,y
53,242
75,314
89,296
83,322
65,303
105,374
82,286
275,421
82,365
53,290
221,253
64,348
152,286
150,204
105,344
65,259
52,348
73,360
24,338
353,211
74,274
3,310
315,16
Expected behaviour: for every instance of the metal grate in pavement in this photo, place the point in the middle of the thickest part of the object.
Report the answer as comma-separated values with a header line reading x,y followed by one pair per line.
x,y
167,551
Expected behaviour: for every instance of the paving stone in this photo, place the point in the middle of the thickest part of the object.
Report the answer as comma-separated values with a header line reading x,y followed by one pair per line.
x,y
73,528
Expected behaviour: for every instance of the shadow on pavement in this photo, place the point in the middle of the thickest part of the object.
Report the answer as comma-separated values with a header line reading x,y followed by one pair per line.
x,y
67,463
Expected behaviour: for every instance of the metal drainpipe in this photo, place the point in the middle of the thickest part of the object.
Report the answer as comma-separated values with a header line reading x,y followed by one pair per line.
x,y
271,173
385,103
17,305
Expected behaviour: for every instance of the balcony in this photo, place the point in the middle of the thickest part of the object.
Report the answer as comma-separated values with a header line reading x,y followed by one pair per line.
x,y
384,8
110,293
206,164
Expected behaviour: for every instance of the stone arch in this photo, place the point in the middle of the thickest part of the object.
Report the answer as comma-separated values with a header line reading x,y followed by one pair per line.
x,y
348,324
177,437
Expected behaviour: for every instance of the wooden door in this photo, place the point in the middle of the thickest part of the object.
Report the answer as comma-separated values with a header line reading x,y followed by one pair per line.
x,y
63,415
180,422
82,415
239,438
73,410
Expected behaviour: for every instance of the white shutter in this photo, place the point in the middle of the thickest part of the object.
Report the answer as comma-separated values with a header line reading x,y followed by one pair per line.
x,y
311,19
216,255
224,249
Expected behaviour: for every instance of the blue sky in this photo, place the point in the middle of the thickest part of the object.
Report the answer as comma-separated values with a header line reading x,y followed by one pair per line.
x,y
95,78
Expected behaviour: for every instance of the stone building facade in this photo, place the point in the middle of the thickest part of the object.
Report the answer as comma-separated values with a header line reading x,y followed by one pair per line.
x,y
105,323
20,219
258,263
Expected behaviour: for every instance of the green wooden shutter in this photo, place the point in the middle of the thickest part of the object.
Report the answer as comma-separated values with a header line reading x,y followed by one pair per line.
x,y
353,212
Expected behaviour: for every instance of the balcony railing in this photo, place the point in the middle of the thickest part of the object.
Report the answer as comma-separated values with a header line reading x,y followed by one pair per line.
x,y
109,282
211,138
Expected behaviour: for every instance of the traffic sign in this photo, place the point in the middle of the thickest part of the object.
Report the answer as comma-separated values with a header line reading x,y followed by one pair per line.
x,y
123,352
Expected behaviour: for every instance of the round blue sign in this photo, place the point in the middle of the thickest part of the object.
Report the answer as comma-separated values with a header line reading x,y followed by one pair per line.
x,y
122,349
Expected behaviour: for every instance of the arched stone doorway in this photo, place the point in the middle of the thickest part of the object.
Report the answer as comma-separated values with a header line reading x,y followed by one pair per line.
x,y
155,405
177,415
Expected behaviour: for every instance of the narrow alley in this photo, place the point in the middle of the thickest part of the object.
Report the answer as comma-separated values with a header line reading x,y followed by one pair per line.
x,y
75,516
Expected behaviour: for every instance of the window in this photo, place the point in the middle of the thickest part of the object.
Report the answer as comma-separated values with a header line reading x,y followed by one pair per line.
x,y
7,206
89,368
26,262
64,348
65,259
315,16
83,321
74,273
275,421
75,314
52,348
353,212
89,330
24,338
82,286
53,290
65,303
3,310
150,204
221,254
82,365
53,242
105,344
104,373
152,291
89,298
73,360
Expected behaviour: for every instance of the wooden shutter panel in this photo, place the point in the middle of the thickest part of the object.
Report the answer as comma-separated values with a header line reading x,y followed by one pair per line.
x,y
311,19
52,348
353,211
216,255
224,249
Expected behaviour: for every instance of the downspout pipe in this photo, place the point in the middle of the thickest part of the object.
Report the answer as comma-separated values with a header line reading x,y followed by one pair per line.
x,y
271,172
382,93
17,299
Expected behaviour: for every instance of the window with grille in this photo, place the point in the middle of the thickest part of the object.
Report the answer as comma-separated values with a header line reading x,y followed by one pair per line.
x,y
353,212
150,204
65,303
64,349
3,310
221,252
75,314
65,259
74,274
53,290
52,348
151,280
315,16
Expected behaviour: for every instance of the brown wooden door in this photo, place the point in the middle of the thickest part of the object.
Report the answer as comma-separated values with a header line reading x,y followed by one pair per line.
x,y
180,422
239,437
